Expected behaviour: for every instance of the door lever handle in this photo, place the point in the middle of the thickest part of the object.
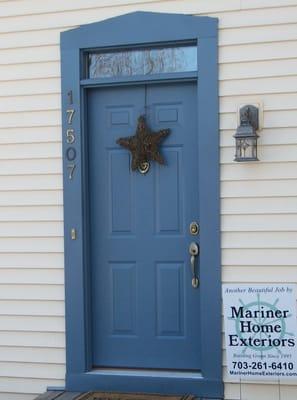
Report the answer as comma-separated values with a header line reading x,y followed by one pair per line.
x,y
194,251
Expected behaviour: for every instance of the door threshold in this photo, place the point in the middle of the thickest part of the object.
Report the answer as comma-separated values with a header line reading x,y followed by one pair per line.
x,y
146,373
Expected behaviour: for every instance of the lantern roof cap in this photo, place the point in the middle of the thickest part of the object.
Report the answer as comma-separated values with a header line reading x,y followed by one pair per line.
x,y
245,130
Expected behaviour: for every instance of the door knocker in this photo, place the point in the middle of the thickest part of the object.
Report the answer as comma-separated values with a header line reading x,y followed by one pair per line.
x,y
144,146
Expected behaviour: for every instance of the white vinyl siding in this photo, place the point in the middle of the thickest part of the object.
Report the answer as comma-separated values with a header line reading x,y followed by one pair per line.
x,y
258,62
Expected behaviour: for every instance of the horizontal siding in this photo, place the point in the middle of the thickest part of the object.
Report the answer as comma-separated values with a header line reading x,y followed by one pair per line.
x,y
13,8
31,198
22,151
24,339
33,118
35,182
257,273
41,213
258,34
37,166
44,37
286,84
31,260
32,354
258,17
259,51
267,171
259,222
265,257
30,292
31,323
32,134
16,396
28,370
30,307
30,86
258,69
258,205
22,385
44,53
259,240
32,276
276,187
257,62
31,229
31,103
49,69
29,245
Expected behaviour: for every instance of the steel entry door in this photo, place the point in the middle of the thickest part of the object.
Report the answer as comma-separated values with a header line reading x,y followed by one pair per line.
x,y
145,312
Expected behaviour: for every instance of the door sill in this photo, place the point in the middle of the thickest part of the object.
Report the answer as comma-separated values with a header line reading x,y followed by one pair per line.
x,y
154,373
145,381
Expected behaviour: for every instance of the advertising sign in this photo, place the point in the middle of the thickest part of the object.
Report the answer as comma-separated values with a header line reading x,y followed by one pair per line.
x,y
260,331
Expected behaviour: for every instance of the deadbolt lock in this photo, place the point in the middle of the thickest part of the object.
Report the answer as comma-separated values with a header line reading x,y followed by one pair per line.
x,y
194,228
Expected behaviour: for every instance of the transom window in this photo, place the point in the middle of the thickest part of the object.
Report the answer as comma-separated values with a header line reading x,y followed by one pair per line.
x,y
144,61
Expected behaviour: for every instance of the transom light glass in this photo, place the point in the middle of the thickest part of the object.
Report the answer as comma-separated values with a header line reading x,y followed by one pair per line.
x,y
147,61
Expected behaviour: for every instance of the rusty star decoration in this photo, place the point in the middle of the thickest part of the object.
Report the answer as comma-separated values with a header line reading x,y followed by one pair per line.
x,y
144,145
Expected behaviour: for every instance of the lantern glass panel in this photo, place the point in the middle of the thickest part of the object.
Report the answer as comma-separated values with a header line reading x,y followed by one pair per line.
x,y
254,148
238,149
246,149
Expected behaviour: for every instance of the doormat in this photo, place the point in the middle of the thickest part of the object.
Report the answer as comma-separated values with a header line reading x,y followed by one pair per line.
x,y
128,396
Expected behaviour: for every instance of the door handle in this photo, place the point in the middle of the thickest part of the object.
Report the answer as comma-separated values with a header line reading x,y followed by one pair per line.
x,y
194,251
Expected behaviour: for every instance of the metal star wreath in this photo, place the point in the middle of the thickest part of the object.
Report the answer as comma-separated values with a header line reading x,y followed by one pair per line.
x,y
144,145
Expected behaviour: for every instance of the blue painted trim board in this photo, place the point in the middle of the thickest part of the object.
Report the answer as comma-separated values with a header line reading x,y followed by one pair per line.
x,y
127,30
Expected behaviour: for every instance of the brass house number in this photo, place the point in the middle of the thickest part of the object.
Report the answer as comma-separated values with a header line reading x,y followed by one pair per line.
x,y
70,139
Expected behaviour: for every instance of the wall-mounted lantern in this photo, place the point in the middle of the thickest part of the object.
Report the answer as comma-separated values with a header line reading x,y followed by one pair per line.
x,y
246,136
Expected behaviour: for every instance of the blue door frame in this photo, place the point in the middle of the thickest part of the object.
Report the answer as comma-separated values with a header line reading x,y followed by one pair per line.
x,y
135,29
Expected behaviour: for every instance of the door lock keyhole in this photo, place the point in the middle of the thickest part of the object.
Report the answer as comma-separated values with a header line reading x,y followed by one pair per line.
x,y
194,228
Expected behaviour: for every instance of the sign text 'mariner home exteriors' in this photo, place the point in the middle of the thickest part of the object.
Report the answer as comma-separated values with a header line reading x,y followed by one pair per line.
x,y
247,325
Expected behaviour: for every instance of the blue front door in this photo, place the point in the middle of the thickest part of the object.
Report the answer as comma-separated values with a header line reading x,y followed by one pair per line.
x,y
145,311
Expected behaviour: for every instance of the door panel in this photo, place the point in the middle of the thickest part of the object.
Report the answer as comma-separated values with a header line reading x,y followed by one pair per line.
x,y
145,312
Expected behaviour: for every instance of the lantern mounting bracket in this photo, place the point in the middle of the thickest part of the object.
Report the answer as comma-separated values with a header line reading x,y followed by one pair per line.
x,y
249,114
